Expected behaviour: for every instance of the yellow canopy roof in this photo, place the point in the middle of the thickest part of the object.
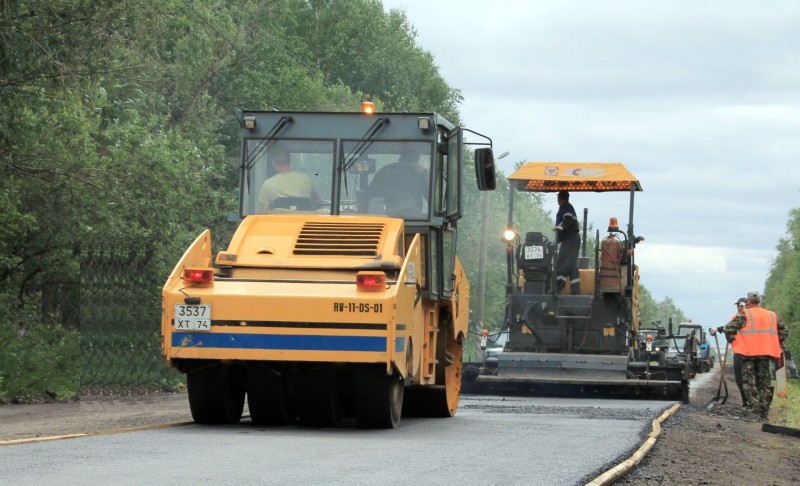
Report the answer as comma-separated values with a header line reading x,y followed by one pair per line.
x,y
574,176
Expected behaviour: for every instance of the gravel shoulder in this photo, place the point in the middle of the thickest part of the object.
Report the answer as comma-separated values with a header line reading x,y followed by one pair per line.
x,y
93,414
696,446
724,445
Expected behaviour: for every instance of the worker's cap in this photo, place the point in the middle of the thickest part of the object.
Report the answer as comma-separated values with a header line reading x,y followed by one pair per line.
x,y
753,296
563,194
741,301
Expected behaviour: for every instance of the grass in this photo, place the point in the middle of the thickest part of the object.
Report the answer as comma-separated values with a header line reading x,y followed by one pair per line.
x,y
786,411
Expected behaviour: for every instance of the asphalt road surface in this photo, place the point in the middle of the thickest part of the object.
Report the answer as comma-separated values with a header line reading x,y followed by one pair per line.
x,y
491,441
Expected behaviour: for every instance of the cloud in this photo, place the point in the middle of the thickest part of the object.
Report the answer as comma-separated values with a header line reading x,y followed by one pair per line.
x,y
700,100
703,281
680,260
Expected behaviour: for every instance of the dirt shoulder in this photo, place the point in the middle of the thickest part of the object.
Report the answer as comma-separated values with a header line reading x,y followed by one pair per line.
x,y
724,445
696,446
92,414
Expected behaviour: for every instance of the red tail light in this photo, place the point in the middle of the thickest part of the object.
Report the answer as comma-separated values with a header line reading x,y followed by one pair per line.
x,y
197,276
371,280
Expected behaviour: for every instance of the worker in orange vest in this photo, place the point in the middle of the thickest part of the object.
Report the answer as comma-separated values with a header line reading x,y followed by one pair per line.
x,y
760,334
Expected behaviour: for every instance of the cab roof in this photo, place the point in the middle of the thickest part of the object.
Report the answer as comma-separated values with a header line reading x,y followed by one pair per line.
x,y
574,176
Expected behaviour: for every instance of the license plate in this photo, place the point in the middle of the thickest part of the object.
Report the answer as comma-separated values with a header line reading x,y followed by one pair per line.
x,y
534,252
192,317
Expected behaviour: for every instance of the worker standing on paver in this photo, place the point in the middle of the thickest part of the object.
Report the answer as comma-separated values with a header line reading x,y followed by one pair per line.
x,y
569,245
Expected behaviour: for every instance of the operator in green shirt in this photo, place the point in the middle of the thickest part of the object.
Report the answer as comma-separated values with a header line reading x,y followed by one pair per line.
x,y
287,183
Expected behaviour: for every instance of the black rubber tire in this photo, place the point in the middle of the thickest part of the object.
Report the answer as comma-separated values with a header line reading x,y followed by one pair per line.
x,y
378,400
214,395
318,400
270,397
442,399
423,401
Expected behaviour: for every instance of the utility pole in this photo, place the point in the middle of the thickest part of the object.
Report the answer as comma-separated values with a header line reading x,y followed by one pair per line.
x,y
480,306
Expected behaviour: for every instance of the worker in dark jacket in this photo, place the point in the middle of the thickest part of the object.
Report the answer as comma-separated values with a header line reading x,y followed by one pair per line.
x,y
569,240
737,355
402,186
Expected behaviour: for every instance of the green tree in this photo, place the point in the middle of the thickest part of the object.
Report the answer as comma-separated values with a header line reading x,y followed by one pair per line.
x,y
783,283
653,311
118,132
357,44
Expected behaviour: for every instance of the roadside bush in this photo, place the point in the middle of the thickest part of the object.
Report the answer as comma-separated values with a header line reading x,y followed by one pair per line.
x,y
37,360
118,361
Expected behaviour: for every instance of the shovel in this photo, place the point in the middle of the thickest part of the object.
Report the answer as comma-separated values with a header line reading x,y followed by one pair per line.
x,y
719,399
780,377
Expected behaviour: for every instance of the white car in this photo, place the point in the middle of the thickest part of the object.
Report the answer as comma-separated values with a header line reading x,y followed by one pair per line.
x,y
496,347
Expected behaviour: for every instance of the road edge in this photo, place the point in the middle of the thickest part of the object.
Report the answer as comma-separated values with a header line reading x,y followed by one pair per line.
x,y
625,466
34,440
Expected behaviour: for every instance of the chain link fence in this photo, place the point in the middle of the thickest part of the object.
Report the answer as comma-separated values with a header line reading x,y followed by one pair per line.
x,y
120,323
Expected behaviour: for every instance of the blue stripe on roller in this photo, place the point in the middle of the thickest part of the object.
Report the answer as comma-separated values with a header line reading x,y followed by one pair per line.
x,y
279,341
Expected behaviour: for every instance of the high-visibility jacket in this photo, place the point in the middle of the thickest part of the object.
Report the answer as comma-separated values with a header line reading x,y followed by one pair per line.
x,y
736,344
759,336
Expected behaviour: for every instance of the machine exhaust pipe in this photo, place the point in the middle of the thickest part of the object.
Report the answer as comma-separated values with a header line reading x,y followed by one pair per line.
x,y
583,261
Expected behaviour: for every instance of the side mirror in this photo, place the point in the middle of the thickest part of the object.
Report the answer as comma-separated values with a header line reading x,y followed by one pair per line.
x,y
484,169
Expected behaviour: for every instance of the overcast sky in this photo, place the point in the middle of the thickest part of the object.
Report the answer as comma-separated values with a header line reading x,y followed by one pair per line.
x,y
699,99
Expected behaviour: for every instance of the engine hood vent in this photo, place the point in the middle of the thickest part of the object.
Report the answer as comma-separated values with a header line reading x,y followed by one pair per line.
x,y
339,239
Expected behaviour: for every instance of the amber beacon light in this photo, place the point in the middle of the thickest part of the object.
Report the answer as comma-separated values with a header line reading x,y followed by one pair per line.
x,y
367,107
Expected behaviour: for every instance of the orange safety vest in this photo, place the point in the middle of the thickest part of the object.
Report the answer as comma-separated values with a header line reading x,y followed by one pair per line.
x,y
759,336
736,344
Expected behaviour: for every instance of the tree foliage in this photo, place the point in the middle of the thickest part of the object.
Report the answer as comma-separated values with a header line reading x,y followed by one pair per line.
x,y
118,136
117,131
783,283
654,312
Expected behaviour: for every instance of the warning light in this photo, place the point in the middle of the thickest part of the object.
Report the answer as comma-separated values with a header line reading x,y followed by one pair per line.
x,y
509,235
367,107
198,276
613,225
371,280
